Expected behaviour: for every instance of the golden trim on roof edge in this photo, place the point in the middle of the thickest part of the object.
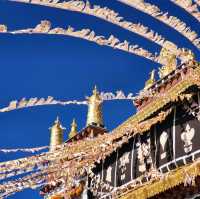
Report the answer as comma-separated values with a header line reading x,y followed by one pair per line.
x,y
172,179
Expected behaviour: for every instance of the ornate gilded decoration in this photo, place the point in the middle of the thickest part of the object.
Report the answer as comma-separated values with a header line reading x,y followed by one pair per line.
x,y
99,148
73,131
136,124
95,109
168,59
150,81
171,95
187,55
56,137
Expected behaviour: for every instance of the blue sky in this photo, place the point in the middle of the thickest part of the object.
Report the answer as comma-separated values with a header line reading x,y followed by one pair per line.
x,y
68,68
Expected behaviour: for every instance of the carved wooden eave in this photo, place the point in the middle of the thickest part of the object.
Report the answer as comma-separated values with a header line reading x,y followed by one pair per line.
x,y
163,85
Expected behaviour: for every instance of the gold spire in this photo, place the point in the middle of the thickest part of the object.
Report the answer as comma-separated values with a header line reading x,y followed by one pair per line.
x,y
150,81
73,131
94,115
56,137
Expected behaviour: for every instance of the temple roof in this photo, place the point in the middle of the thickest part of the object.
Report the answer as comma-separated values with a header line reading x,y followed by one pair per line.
x,y
91,151
86,131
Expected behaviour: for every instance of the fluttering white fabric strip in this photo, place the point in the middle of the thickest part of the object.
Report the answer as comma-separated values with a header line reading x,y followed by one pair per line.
x,y
172,21
27,150
45,28
33,102
189,6
104,13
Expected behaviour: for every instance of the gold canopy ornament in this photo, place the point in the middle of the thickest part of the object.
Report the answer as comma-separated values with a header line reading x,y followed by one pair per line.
x,y
168,59
56,137
94,116
73,131
151,80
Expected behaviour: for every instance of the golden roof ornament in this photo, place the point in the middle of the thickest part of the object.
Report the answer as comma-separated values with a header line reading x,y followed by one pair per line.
x,y
186,55
73,131
56,137
94,116
151,80
168,58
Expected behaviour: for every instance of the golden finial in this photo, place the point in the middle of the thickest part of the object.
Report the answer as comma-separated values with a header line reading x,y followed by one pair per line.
x,y
168,58
151,80
191,55
56,137
95,91
73,131
94,115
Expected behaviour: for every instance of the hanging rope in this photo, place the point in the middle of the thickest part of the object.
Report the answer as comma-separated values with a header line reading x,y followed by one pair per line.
x,y
104,13
171,21
32,181
48,175
31,162
26,150
45,28
41,160
41,165
32,102
188,6
119,95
